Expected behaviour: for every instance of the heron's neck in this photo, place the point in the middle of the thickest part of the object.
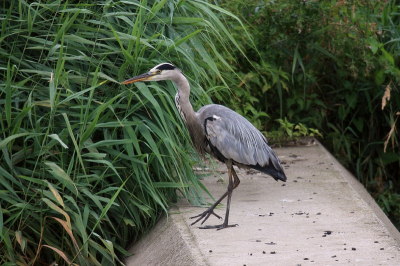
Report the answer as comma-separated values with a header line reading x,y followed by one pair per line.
x,y
187,113
182,98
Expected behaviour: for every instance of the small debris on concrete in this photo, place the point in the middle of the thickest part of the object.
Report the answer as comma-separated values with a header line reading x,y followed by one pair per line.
x,y
299,213
263,215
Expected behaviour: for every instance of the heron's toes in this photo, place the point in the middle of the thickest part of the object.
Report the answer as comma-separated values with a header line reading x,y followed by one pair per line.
x,y
204,215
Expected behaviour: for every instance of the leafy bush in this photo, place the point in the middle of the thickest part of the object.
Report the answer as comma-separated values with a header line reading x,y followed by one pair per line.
x,y
328,65
87,165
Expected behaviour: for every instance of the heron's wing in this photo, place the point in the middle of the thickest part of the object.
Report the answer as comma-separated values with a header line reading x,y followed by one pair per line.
x,y
235,138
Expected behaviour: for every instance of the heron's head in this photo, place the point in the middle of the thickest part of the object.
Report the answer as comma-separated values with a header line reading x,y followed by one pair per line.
x,y
164,71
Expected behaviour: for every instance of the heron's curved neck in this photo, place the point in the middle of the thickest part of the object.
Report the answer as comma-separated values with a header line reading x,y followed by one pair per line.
x,y
182,98
187,113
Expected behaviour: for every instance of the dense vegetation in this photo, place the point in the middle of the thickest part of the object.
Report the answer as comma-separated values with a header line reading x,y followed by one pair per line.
x,y
87,165
330,65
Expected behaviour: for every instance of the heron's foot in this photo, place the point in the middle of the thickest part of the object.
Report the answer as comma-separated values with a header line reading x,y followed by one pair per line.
x,y
205,215
218,227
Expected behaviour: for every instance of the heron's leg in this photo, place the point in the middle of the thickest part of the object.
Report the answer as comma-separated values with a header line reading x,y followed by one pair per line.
x,y
233,183
237,180
228,203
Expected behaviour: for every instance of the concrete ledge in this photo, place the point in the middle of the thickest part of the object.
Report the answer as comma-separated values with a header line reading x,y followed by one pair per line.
x,y
321,216
169,243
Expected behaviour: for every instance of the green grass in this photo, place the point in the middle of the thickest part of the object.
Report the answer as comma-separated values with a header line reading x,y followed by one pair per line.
x,y
87,165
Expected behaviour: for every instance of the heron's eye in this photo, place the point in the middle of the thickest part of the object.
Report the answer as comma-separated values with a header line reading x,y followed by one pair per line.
x,y
158,71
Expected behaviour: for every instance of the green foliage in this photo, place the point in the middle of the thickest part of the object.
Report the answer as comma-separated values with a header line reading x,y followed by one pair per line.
x,y
330,65
299,130
290,132
87,165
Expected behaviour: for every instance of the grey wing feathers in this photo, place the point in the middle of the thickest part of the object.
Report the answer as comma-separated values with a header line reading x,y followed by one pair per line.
x,y
236,138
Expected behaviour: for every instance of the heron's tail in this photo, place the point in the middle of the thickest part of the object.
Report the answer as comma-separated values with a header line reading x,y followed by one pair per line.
x,y
279,176
276,174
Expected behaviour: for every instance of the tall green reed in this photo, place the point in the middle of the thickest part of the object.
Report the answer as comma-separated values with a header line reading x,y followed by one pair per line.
x,y
88,165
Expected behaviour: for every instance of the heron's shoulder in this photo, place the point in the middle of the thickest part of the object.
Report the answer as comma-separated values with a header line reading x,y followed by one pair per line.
x,y
216,109
225,117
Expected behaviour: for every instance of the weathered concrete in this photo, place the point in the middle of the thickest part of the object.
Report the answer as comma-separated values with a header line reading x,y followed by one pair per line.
x,y
321,216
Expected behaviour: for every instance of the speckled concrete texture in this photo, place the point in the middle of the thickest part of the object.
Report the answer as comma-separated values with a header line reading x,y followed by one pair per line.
x,y
321,216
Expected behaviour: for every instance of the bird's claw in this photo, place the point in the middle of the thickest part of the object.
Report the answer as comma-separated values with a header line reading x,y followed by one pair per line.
x,y
206,214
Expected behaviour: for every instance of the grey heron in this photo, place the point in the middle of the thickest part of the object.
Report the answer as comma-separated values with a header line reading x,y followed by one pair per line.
x,y
221,132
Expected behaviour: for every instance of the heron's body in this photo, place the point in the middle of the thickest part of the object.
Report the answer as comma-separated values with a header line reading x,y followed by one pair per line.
x,y
229,136
221,132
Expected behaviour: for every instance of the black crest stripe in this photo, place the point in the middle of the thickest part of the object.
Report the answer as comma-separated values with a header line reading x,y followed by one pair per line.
x,y
166,66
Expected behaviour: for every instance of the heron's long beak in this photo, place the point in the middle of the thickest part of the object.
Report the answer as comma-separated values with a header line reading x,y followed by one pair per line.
x,y
143,77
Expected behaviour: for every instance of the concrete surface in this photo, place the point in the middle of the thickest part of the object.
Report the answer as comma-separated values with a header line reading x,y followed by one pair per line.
x,y
321,216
